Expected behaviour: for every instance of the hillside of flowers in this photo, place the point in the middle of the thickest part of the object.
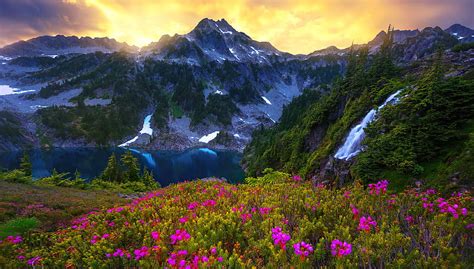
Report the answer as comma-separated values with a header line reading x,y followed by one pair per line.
x,y
219,225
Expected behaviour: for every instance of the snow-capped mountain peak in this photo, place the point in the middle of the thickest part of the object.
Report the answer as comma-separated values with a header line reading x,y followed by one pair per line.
x,y
212,40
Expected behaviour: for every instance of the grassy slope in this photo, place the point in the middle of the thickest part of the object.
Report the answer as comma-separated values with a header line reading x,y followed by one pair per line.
x,y
230,226
23,207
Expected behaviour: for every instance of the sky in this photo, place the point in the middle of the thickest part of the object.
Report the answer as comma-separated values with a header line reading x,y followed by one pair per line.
x,y
295,26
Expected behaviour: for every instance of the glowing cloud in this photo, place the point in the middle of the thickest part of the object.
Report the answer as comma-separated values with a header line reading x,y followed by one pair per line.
x,y
297,26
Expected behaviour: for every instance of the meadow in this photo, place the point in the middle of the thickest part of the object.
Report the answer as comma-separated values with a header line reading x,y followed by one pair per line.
x,y
284,223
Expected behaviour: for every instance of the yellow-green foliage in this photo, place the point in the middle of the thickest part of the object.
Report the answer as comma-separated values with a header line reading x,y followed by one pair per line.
x,y
230,226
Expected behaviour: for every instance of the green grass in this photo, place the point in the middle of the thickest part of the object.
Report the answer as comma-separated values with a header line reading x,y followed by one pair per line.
x,y
18,226
51,206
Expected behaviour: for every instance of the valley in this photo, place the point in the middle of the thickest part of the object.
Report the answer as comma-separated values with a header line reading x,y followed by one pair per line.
x,y
206,148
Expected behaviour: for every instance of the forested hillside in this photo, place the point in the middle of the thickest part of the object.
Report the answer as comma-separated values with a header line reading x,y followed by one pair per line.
x,y
425,136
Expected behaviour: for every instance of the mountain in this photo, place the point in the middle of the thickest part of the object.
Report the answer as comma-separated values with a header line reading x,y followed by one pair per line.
x,y
213,85
410,45
462,33
212,41
424,43
404,112
60,44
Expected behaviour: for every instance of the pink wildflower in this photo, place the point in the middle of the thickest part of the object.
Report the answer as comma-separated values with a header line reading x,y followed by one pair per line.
x,y
34,261
193,205
155,235
209,203
365,223
95,239
355,211
280,238
141,253
246,217
264,210
379,187
183,220
297,178
340,248
118,253
347,194
303,249
428,206
14,239
180,235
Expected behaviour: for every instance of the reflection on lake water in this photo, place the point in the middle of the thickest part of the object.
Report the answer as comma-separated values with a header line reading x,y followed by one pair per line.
x,y
167,166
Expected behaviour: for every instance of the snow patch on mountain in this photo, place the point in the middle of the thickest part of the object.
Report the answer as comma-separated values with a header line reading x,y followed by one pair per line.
x,y
208,138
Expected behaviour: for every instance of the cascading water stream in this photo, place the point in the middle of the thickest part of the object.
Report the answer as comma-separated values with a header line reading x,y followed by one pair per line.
x,y
352,144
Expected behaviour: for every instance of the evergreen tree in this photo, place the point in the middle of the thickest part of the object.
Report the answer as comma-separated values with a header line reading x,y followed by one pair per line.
x,y
77,175
25,164
132,168
148,180
112,171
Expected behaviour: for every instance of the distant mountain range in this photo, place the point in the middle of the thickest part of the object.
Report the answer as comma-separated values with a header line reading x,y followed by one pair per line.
x,y
60,44
218,41
213,84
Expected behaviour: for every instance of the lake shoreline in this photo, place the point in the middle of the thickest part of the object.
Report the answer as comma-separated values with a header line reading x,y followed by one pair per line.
x,y
167,166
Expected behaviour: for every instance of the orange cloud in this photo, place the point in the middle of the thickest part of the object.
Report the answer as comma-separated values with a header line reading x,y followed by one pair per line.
x,y
296,26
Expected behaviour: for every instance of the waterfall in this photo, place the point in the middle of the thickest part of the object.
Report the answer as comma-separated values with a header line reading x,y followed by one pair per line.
x,y
352,144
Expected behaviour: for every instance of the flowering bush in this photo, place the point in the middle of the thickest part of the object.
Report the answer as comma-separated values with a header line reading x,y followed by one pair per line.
x,y
214,224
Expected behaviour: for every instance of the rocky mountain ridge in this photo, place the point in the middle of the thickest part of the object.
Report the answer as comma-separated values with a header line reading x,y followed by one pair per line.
x,y
212,82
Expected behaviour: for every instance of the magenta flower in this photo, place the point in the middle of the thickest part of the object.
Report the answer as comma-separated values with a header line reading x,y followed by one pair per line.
x,y
347,194
264,210
365,223
105,236
141,253
454,210
220,259
340,248
14,239
20,257
379,187
428,206
297,178
183,220
34,261
355,211
303,249
209,203
95,239
179,235
245,217
410,219
193,205
155,235
118,253
213,250
280,238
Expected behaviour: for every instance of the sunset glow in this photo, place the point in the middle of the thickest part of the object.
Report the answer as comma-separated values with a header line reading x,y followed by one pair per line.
x,y
295,26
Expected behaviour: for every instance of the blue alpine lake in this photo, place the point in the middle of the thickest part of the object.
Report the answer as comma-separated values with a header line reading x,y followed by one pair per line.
x,y
167,166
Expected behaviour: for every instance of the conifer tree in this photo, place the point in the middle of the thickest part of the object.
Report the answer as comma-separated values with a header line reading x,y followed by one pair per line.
x,y
25,164
132,168
148,180
112,171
